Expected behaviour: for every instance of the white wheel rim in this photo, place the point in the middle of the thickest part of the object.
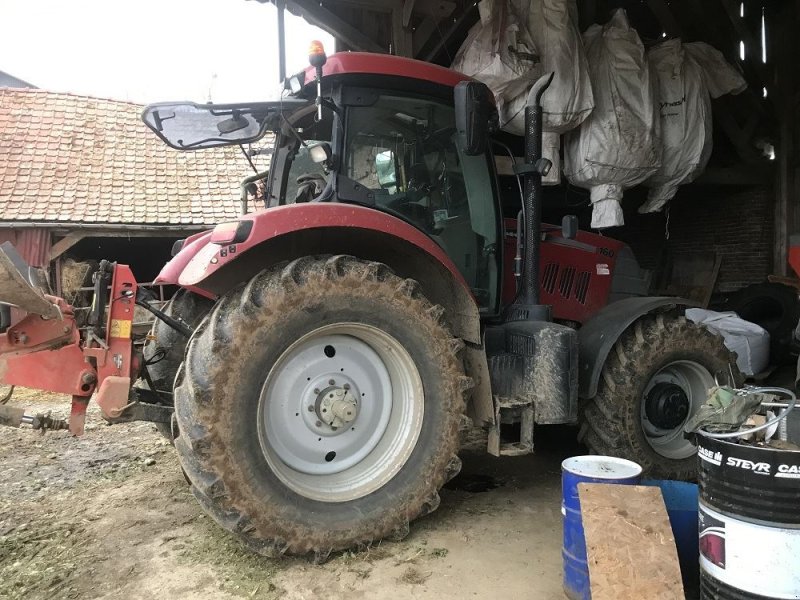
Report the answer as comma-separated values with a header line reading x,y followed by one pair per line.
x,y
695,381
376,389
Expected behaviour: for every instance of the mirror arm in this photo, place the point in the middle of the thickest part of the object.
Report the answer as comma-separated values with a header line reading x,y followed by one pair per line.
x,y
246,182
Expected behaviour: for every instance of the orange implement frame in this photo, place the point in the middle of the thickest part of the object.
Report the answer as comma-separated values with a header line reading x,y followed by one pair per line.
x,y
51,354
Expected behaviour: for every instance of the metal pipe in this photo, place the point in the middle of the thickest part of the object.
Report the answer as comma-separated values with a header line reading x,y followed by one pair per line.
x,y
99,228
281,5
243,188
533,191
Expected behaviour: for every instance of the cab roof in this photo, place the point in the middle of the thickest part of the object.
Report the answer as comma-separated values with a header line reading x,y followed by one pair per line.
x,y
343,63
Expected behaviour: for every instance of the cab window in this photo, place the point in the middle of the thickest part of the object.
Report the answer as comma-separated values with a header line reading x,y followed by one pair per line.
x,y
405,151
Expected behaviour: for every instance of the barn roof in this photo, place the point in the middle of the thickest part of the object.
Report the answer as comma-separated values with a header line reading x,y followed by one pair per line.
x,y
67,159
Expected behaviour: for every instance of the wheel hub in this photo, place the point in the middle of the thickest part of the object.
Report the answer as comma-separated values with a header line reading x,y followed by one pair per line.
x,y
666,405
337,407
340,412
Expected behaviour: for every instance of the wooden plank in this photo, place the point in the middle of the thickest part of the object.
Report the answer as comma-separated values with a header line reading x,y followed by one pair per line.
x,y
629,543
65,243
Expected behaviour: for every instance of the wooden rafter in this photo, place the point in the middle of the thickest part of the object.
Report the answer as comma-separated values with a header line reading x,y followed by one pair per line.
x,y
320,16
664,15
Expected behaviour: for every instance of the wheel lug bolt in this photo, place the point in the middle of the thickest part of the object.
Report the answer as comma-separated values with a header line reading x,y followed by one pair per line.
x,y
318,423
310,408
316,390
334,428
346,386
331,382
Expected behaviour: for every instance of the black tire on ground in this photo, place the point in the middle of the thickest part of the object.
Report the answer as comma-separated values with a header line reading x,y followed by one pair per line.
x,y
233,353
776,308
167,346
612,421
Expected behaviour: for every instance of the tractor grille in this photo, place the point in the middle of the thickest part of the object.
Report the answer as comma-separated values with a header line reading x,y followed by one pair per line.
x,y
582,286
567,280
549,278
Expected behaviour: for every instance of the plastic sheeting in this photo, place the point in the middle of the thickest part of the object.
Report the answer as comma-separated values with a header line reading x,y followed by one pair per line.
x,y
688,76
552,25
498,51
617,146
749,341
539,37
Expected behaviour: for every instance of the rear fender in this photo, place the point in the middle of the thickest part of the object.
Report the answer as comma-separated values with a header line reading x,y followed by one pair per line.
x,y
599,334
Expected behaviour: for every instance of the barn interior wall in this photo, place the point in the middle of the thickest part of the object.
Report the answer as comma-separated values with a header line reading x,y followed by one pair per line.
x,y
735,223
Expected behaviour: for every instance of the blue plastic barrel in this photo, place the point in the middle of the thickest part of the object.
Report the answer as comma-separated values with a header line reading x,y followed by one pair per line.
x,y
585,469
681,501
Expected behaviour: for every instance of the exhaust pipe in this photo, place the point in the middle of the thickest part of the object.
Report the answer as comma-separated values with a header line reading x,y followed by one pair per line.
x,y
526,306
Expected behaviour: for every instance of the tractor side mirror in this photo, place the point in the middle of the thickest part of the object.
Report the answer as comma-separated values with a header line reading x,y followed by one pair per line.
x,y
472,116
569,227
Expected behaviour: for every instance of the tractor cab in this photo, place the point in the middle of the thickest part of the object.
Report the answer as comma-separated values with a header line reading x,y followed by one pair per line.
x,y
399,152
388,142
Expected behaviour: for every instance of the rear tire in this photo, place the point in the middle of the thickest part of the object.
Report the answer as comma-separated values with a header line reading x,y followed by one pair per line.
x,y
666,351
249,420
776,308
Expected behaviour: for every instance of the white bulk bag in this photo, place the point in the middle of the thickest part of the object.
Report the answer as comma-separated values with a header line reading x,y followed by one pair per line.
x,y
688,76
749,341
552,25
498,51
617,146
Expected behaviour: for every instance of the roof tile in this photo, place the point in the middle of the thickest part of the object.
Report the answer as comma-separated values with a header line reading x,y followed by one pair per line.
x,y
70,158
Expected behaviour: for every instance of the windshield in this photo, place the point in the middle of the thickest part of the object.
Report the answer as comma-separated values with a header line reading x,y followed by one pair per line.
x,y
189,126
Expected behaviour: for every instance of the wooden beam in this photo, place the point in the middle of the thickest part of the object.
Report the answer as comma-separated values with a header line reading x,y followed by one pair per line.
x,y
401,36
65,243
787,213
408,8
439,9
454,27
744,174
664,15
738,135
754,67
317,15
424,32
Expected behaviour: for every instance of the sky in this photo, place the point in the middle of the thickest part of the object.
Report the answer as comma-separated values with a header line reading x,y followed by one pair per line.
x,y
152,50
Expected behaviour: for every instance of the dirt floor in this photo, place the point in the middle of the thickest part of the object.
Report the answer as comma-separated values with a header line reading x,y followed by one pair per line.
x,y
110,516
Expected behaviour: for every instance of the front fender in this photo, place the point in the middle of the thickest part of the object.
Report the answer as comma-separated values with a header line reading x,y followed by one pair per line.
x,y
201,258
599,334
170,273
288,232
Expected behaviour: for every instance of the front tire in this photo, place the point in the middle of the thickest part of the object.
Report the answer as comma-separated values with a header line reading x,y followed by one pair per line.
x,y
262,377
164,351
655,378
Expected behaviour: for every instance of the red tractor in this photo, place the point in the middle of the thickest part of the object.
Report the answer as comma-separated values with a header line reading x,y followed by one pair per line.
x,y
317,363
